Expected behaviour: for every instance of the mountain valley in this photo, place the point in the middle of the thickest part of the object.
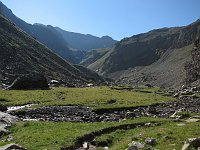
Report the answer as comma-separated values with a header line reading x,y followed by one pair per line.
x,y
62,90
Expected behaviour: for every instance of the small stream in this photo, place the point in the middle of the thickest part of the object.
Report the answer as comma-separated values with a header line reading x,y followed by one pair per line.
x,y
15,108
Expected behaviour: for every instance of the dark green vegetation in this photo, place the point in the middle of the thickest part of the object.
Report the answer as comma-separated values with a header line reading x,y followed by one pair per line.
x,y
97,98
168,136
52,136
156,57
21,54
66,44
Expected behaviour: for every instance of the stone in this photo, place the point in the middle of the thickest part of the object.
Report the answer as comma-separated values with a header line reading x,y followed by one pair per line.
x,y
54,83
130,115
176,95
136,144
195,143
196,117
105,148
181,124
132,148
12,146
150,141
10,138
192,120
30,82
148,124
7,118
86,145
191,143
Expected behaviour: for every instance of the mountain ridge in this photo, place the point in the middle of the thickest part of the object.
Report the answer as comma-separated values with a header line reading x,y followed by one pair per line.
x,y
145,50
47,33
22,54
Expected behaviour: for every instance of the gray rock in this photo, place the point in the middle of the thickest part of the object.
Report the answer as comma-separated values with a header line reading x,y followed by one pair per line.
x,y
12,146
191,143
86,145
132,148
30,82
151,141
136,144
10,138
176,95
7,118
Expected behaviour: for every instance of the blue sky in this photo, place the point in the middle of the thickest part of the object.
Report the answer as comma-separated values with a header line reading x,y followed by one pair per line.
x,y
116,18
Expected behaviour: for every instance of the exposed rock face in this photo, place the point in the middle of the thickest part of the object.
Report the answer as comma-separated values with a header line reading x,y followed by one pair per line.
x,y
6,120
156,57
30,82
193,67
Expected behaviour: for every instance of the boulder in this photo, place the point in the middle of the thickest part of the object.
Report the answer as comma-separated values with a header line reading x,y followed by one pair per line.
x,y
136,145
150,141
30,82
54,83
191,143
12,146
86,145
6,120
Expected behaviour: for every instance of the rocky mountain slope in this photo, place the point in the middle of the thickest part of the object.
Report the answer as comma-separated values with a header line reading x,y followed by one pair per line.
x,y
155,57
66,44
44,34
93,55
22,54
193,67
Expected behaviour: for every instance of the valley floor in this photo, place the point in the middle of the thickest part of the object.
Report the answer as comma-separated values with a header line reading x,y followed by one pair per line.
x,y
100,117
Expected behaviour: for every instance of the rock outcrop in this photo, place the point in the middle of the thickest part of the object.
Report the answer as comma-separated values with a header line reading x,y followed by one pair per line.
x,y
12,146
193,67
30,82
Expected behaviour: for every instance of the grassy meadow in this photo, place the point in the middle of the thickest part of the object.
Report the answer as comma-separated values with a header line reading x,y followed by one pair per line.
x,y
97,98
44,135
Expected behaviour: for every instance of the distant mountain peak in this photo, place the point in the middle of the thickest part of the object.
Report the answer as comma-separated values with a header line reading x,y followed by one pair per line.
x,y
60,41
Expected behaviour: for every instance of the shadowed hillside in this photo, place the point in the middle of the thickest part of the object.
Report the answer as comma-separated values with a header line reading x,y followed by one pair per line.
x,y
66,44
150,57
21,54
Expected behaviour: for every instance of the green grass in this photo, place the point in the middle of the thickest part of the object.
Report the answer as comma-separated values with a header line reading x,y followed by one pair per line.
x,y
198,94
98,97
53,135
168,135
